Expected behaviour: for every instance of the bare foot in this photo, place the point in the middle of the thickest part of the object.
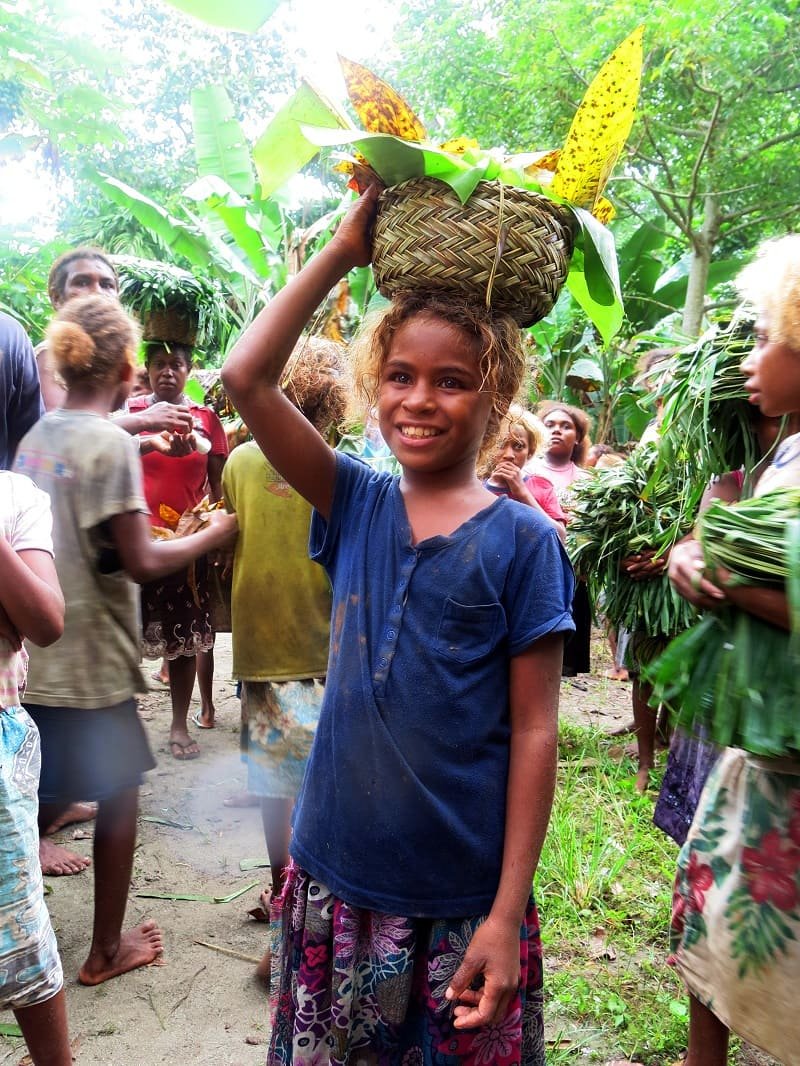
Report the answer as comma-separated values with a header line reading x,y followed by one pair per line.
x,y
76,812
58,862
161,676
618,673
138,947
643,778
182,746
242,799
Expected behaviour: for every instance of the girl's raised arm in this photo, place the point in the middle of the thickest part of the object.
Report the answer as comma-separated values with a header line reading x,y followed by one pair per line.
x,y
253,370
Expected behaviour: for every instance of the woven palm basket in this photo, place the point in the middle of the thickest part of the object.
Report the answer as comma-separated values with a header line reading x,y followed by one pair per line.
x,y
169,325
506,247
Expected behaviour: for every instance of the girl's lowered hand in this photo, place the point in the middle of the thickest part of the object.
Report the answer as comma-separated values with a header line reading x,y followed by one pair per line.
x,y
686,572
492,962
354,235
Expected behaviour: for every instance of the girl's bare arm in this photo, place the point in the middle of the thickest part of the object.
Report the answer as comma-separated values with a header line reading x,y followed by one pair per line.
x,y
30,594
494,950
144,559
253,370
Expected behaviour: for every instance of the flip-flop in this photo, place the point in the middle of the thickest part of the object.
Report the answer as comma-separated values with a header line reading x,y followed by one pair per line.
x,y
198,722
183,752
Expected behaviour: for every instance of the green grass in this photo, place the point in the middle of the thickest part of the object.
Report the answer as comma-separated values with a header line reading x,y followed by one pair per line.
x,y
604,889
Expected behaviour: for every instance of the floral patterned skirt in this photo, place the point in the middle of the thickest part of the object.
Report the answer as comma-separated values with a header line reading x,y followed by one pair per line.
x,y
351,986
735,932
279,720
176,614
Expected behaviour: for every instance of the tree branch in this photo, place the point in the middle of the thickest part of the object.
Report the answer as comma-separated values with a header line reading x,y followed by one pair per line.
x,y
584,81
794,210
704,148
780,139
669,210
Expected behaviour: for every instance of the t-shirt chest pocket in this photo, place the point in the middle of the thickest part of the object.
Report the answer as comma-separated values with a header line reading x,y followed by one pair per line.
x,y
468,632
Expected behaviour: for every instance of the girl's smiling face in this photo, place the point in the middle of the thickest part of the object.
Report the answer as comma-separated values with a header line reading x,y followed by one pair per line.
x,y
772,370
431,409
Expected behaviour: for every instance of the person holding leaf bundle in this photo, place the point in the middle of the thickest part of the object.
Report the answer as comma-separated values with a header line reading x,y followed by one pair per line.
x,y
435,751
735,932
176,619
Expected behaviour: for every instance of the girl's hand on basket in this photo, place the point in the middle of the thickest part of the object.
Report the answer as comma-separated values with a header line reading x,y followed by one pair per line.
x,y
354,235
686,572
488,977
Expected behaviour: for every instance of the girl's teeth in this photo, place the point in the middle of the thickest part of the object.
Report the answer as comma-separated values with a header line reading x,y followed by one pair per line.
x,y
418,431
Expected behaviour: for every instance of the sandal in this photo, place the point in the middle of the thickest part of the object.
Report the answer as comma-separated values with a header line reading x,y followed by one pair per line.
x,y
199,722
184,752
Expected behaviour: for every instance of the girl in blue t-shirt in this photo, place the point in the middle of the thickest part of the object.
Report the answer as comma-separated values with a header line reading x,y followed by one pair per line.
x,y
409,932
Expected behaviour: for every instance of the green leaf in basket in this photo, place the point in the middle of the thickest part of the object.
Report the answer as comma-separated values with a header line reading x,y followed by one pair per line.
x,y
593,276
396,160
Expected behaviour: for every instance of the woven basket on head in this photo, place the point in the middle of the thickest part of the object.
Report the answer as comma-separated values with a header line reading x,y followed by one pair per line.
x,y
169,325
507,247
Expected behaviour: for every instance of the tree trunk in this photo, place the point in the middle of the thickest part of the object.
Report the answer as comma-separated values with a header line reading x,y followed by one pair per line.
x,y
703,244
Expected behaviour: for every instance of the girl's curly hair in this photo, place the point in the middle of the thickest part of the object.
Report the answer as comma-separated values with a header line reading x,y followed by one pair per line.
x,y
772,284
90,338
580,421
496,339
316,382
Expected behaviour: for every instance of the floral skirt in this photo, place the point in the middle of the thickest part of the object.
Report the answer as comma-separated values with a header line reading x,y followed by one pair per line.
x,y
279,720
30,969
735,932
176,614
351,986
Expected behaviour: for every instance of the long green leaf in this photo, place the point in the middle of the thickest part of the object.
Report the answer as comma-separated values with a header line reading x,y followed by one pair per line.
x,y
220,145
282,149
177,236
244,15
222,202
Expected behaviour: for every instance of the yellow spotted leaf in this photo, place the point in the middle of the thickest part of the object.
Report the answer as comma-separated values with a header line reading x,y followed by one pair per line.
x,y
604,210
459,145
545,161
601,126
378,106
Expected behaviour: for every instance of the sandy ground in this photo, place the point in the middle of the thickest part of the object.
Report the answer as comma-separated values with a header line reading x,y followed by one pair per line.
x,y
201,1006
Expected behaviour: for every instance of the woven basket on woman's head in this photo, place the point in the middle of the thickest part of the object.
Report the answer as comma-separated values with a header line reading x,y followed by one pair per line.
x,y
169,325
507,247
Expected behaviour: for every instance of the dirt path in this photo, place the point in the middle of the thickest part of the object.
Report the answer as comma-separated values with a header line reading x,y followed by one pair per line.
x,y
200,1007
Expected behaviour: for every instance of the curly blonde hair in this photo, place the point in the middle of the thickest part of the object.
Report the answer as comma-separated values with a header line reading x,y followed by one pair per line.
x,y
496,338
772,284
90,338
316,382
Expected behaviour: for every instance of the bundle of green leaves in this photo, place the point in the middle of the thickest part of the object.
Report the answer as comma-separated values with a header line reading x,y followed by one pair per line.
x,y
734,677
620,512
147,287
707,421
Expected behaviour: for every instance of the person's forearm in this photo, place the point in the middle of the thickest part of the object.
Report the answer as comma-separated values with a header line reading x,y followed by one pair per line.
x,y
162,557
769,604
35,608
137,422
532,773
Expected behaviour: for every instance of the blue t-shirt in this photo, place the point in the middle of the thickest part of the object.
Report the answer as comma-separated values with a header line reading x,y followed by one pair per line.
x,y
20,398
402,808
